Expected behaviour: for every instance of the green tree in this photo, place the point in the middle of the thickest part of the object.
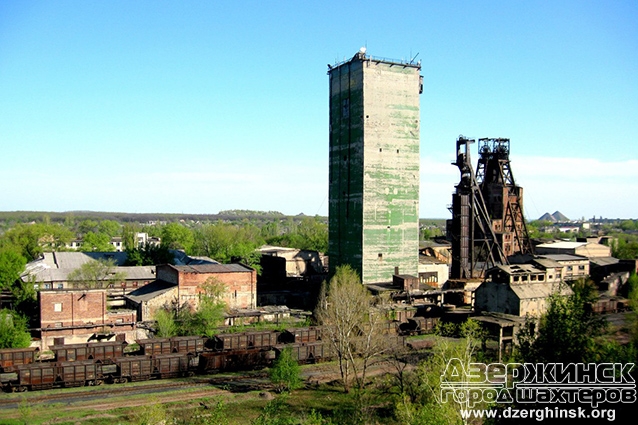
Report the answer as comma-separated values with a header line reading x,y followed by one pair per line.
x,y
129,236
177,236
423,402
96,274
12,264
209,314
13,330
313,234
87,226
567,332
109,227
166,326
285,373
33,239
96,242
149,255
227,243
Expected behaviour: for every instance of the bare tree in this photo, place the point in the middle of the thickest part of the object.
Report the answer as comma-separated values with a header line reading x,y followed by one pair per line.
x,y
351,324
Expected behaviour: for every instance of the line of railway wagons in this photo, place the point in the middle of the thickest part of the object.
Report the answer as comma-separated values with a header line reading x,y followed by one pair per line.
x,y
96,363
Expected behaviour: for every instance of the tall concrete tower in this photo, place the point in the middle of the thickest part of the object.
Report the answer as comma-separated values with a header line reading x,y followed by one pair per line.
x,y
374,166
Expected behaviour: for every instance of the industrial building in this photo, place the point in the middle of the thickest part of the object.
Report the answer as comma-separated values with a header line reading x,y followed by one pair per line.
x,y
374,166
487,225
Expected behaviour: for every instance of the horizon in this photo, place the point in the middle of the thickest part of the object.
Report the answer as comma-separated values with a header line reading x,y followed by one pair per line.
x,y
206,107
582,218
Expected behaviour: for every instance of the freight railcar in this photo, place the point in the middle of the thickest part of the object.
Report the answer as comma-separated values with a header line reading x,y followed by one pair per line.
x,y
227,361
11,357
244,340
311,352
88,351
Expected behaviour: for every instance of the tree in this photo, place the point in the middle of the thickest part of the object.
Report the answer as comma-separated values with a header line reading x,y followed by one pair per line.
x,y
110,227
567,332
285,372
313,234
33,239
12,264
424,402
351,325
177,236
166,326
209,313
13,330
96,242
149,255
129,236
227,243
96,274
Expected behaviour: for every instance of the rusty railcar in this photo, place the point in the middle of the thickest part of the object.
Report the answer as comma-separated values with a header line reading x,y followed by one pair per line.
x,y
244,340
300,335
170,365
78,373
155,346
88,351
227,361
10,357
33,376
311,352
187,344
131,368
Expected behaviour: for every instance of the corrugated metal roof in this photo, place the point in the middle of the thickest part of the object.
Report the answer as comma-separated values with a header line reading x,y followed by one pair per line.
x,y
539,290
562,245
213,268
605,261
150,291
61,275
563,257
73,260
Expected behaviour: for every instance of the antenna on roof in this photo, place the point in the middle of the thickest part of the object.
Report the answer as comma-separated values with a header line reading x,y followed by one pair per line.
x,y
412,60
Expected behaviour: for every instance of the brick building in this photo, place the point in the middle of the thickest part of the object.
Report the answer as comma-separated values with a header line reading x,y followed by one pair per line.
x,y
75,316
240,282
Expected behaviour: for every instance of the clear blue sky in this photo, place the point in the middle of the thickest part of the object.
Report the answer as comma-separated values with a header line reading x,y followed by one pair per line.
x,y
197,107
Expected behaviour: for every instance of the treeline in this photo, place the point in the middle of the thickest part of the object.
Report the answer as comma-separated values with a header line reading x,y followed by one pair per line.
x,y
221,240
11,218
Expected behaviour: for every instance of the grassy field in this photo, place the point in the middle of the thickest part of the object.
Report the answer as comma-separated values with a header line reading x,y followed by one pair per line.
x,y
225,401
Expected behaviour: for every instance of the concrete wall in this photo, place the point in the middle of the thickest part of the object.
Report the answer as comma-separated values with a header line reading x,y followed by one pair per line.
x,y
374,168
497,298
146,310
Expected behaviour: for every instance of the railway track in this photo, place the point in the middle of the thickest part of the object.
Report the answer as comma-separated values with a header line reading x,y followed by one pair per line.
x,y
102,392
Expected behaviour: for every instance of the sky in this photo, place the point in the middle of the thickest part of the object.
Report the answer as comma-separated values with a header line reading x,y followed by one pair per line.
x,y
203,106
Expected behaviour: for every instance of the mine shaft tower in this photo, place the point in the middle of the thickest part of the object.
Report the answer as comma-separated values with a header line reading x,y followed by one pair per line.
x,y
374,166
487,224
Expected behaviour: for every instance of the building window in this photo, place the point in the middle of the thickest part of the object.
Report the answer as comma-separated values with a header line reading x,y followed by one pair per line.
x,y
57,307
60,286
58,324
380,257
581,268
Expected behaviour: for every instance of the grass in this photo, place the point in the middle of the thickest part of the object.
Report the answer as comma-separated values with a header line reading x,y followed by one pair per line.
x,y
238,407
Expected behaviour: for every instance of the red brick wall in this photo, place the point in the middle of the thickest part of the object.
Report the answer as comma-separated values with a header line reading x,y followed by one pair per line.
x,y
241,287
75,308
